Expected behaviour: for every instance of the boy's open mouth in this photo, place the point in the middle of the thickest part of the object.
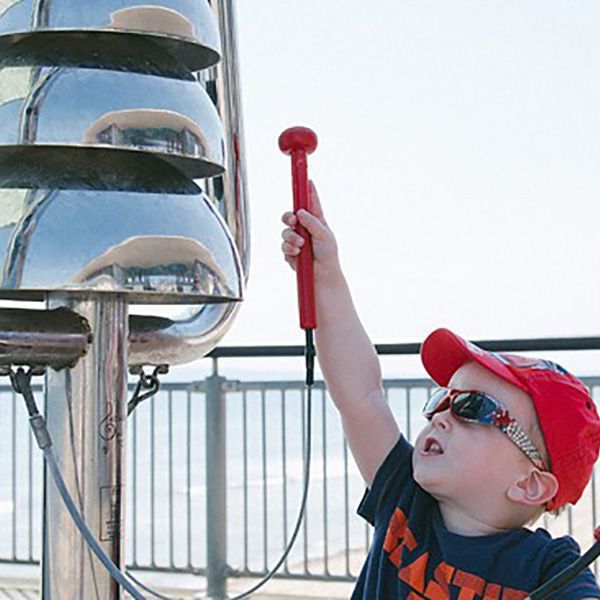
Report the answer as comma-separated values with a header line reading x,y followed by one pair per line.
x,y
432,446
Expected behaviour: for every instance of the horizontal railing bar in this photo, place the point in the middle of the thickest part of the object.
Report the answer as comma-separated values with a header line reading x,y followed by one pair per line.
x,y
511,345
19,561
186,570
239,573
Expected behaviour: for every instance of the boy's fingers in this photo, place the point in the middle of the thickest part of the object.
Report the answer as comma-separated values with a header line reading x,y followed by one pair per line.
x,y
315,227
289,218
289,250
289,235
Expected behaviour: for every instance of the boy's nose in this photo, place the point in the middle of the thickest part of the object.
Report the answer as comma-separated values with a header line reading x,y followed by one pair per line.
x,y
442,420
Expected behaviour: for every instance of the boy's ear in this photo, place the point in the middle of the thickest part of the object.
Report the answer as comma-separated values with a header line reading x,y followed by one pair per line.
x,y
534,489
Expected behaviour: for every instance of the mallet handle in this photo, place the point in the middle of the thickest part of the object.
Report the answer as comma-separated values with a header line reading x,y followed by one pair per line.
x,y
298,142
304,266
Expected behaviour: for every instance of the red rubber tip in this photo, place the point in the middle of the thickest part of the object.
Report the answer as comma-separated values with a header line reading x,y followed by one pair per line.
x,y
597,533
298,138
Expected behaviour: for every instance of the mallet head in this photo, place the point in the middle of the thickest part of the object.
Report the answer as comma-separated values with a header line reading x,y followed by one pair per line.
x,y
298,138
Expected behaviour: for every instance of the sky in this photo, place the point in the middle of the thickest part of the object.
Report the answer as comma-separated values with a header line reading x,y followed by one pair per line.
x,y
457,163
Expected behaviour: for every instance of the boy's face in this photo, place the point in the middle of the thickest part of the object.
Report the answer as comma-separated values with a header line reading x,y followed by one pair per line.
x,y
470,463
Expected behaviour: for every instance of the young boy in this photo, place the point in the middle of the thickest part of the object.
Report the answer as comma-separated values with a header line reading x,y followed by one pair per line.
x,y
508,438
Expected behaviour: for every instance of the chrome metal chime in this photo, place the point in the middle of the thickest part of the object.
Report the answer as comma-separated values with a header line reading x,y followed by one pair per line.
x,y
122,182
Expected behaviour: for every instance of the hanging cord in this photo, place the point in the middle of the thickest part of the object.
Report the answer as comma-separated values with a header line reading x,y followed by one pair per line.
x,y
21,382
150,383
309,358
569,572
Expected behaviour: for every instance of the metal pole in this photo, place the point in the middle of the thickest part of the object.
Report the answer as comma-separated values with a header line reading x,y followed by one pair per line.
x,y
86,411
216,487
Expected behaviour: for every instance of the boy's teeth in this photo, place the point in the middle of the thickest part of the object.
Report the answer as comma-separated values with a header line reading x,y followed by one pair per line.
x,y
433,447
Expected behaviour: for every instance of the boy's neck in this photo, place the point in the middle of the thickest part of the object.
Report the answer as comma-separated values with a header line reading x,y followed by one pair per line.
x,y
461,522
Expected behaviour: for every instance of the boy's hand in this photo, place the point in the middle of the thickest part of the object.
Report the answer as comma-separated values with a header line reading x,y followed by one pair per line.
x,y
324,246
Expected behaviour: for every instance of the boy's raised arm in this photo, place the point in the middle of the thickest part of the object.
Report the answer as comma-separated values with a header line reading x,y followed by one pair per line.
x,y
346,355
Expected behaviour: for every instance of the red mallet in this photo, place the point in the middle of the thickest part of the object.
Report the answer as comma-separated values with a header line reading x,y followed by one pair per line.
x,y
298,142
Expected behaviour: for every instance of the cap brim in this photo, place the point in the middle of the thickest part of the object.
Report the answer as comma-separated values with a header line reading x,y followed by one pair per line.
x,y
444,352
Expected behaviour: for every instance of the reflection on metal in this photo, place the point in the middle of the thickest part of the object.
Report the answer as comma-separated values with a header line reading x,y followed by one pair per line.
x,y
59,338
158,248
60,133
229,190
166,37
156,341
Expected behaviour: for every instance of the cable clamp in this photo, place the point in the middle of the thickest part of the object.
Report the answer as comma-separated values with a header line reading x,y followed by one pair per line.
x,y
21,382
150,383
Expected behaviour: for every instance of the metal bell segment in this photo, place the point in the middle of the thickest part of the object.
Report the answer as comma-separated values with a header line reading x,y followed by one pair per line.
x,y
156,248
166,37
107,130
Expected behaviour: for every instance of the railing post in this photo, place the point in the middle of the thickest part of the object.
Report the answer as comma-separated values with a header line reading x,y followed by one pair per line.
x,y
216,486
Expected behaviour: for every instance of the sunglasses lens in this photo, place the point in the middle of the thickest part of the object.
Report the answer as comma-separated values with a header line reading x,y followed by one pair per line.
x,y
474,407
435,400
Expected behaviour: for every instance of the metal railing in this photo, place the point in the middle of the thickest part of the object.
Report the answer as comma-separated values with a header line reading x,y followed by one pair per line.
x,y
214,480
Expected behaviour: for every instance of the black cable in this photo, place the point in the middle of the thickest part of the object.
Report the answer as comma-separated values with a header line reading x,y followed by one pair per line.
x,y
117,575
21,381
309,357
566,574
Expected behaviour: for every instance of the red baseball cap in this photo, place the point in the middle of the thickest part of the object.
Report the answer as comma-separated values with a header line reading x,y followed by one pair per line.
x,y
565,410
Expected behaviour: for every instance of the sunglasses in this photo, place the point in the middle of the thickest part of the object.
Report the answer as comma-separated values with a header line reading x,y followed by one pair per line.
x,y
477,407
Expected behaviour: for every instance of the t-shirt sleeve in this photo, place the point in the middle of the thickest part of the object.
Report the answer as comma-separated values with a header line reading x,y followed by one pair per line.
x,y
393,473
564,551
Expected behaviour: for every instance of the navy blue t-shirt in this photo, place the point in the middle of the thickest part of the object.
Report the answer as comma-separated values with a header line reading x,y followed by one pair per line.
x,y
413,555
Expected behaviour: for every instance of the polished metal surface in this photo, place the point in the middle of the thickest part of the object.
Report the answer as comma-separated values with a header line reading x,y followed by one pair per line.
x,y
177,341
167,37
157,248
66,130
57,338
86,412
230,189
156,341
